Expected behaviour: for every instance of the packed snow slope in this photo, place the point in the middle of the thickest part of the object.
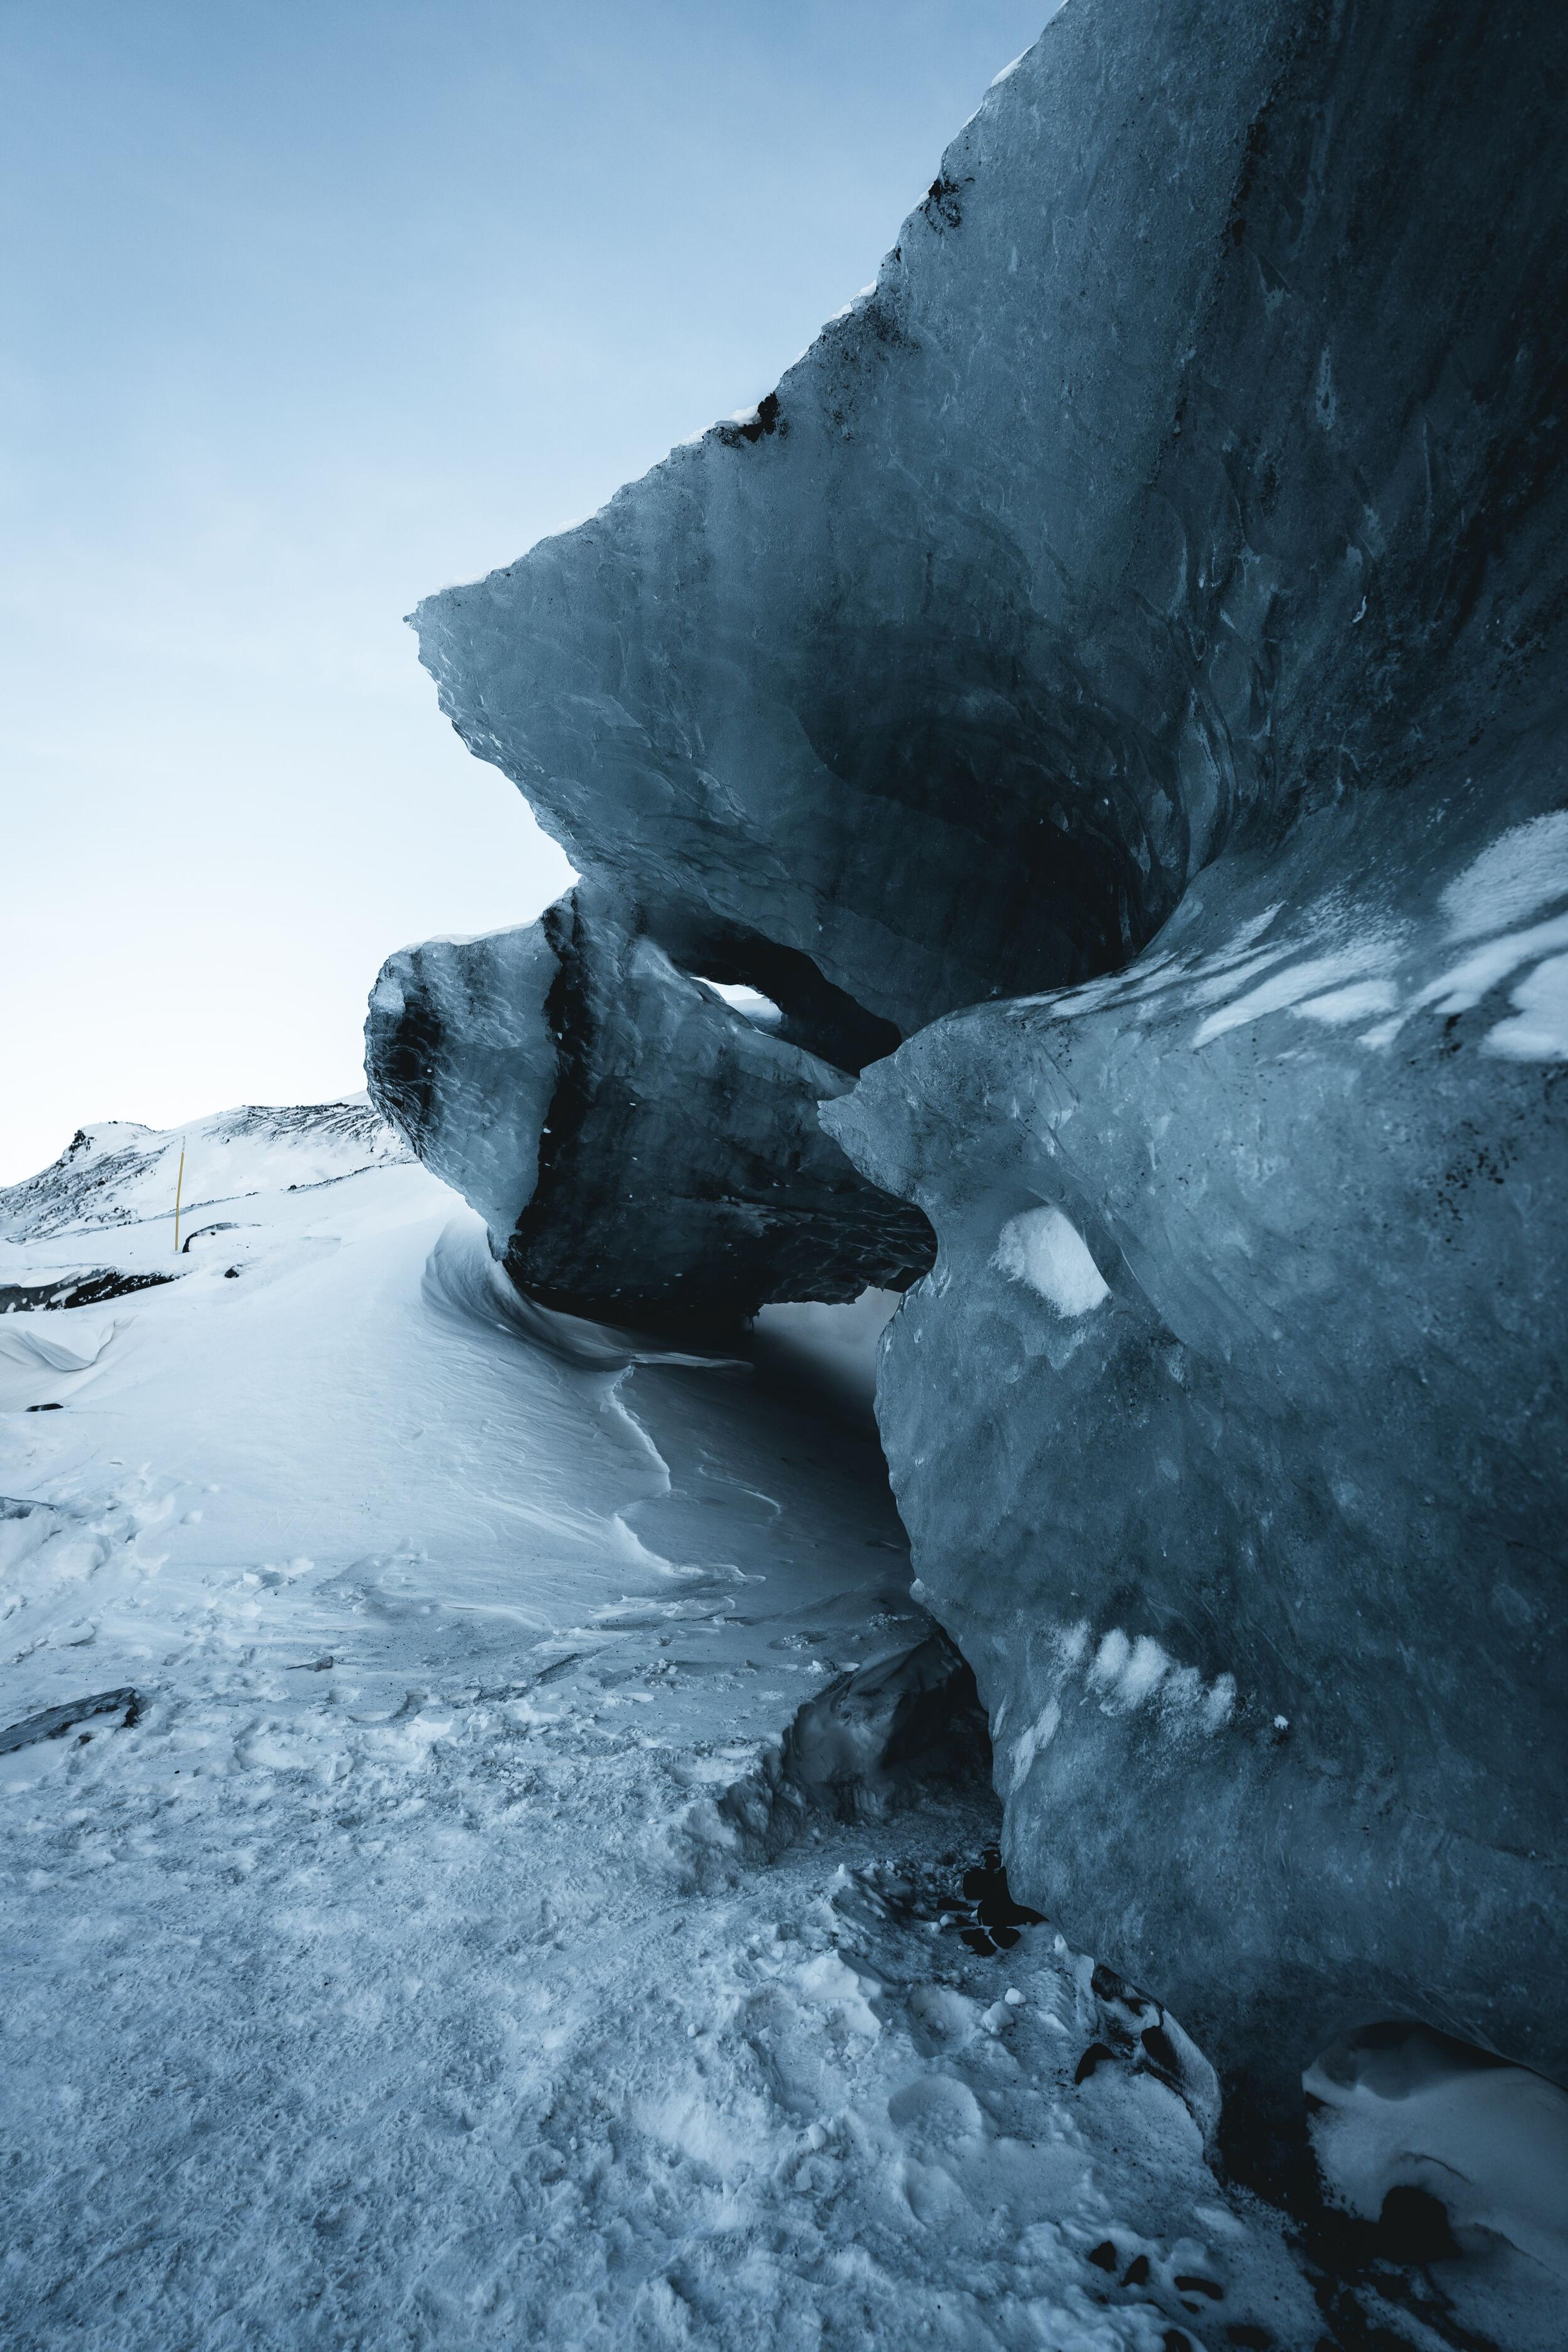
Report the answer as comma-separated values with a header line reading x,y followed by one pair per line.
x,y
432,1952
464,1928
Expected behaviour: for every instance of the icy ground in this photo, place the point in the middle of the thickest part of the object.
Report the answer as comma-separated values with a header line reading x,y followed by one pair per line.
x,y
436,1958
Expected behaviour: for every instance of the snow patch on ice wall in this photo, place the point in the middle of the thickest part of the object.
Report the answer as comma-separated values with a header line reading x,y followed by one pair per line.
x,y
1127,1672
1378,978
1119,1672
1522,870
1306,986
1044,1249
1028,1744
1539,1029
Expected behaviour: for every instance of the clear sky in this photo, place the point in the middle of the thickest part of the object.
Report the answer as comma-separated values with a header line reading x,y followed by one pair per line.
x,y
310,307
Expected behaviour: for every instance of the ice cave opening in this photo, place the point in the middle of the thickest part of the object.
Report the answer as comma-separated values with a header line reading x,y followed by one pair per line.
x,y
749,970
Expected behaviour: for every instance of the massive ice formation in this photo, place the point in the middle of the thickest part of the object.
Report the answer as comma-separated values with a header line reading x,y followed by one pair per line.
x,y
1146,607
461,1056
638,1146
1229,1431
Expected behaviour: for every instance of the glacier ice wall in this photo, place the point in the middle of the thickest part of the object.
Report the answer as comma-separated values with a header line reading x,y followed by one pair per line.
x,y
1229,1431
1121,668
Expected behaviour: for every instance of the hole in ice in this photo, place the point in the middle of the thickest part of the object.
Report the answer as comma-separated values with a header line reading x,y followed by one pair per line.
x,y
1097,2055
801,1005
823,1356
1159,2046
1413,2227
750,1003
1190,2282
876,1735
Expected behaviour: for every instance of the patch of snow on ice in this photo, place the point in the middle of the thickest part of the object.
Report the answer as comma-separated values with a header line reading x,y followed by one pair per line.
x,y
1524,869
1353,1003
1289,987
1245,936
1044,1249
1071,1642
1221,976
1110,1660
1143,1671
1030,1743
1538,1031
1461,988
1129,1672
1220,1703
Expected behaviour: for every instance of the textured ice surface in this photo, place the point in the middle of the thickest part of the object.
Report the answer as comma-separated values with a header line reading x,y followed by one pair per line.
x,y
462,1059
637,1144
819,687
1253,1538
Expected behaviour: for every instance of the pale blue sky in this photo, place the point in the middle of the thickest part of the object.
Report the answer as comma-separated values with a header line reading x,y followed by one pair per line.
x,y
310,307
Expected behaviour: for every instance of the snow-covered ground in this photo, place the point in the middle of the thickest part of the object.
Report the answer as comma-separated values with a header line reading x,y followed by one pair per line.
x,y
439,1958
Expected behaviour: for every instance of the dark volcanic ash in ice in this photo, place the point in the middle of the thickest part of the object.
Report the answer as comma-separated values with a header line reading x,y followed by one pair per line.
x,y
1121,668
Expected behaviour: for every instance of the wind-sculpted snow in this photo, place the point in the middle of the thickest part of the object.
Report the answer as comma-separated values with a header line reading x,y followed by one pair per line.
x,y
412,1937
1140,619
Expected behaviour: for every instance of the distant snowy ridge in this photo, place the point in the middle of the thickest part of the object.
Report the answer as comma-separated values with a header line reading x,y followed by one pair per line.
x,y
120,1173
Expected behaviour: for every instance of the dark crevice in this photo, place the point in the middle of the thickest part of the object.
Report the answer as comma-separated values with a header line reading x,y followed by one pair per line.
x,y
1045,824
767,420
881,1735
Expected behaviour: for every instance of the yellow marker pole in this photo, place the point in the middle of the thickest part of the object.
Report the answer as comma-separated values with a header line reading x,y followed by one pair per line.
x,y
179,1182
